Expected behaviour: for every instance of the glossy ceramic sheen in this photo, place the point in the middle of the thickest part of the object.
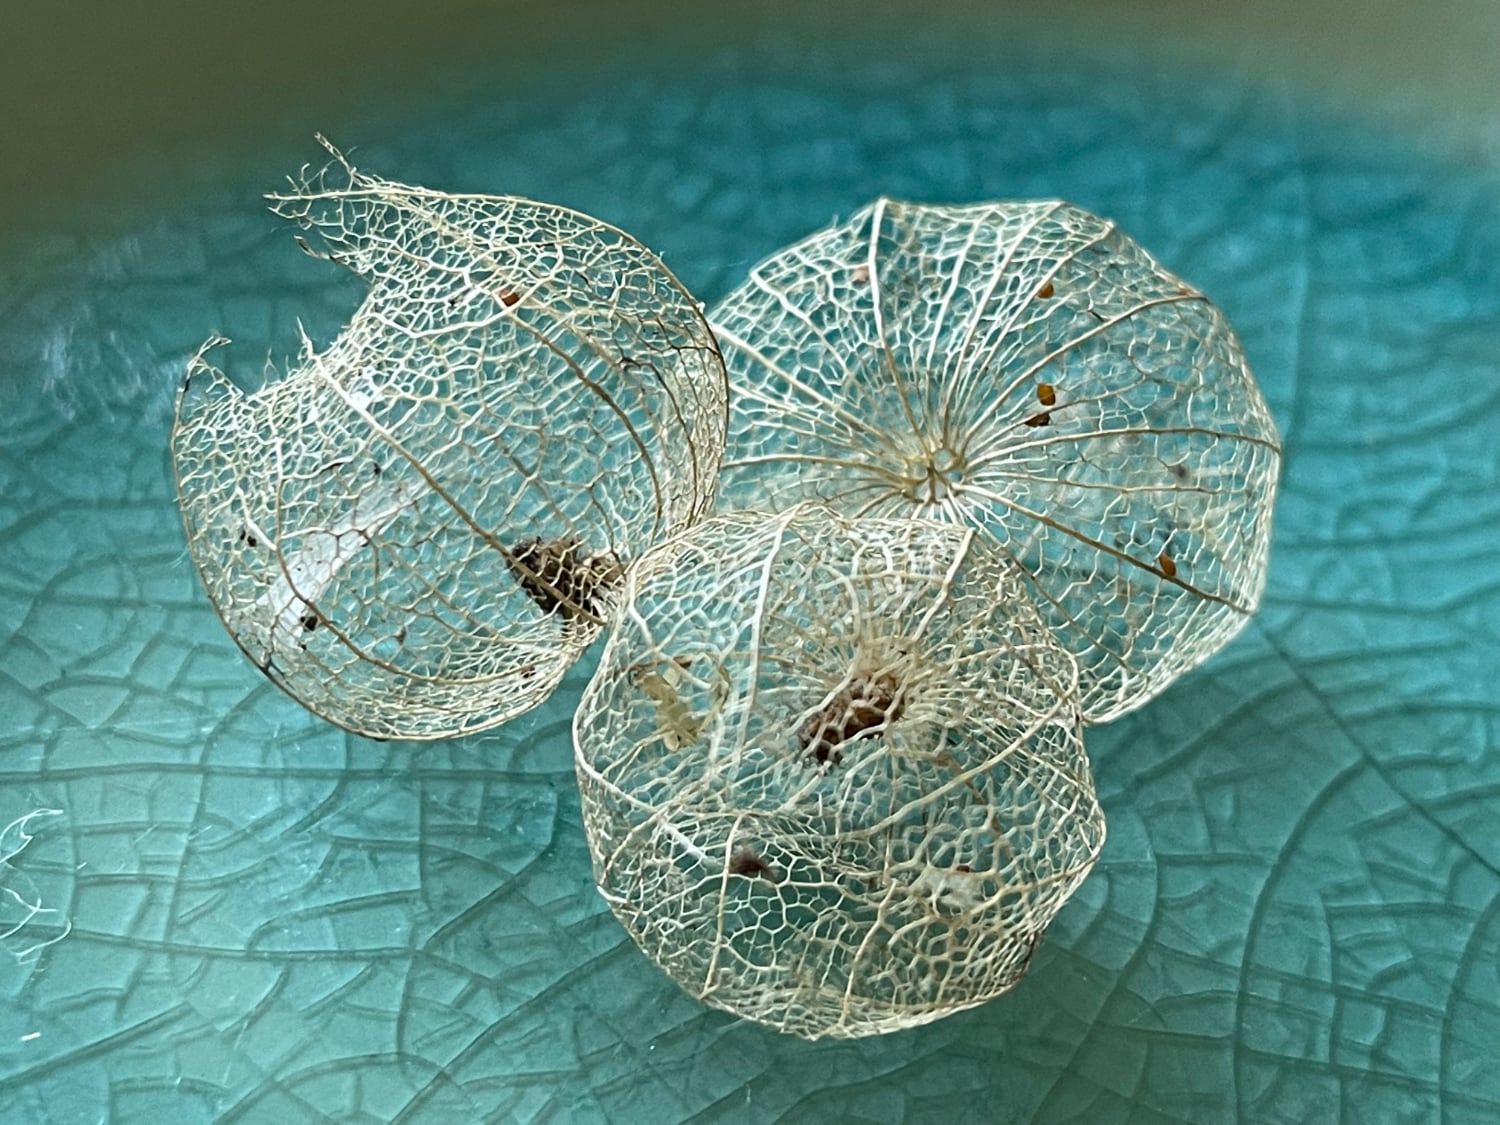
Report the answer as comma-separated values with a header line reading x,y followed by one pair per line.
x,y
260,918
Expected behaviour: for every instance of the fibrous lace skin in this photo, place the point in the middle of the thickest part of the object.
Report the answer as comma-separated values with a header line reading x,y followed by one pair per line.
x,y
831,770
416,531
1026,369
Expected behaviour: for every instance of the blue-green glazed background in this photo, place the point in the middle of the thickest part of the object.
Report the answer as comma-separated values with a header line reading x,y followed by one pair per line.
x,y
263,919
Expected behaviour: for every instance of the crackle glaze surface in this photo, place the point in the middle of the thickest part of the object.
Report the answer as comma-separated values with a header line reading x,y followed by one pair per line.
x,y
1294,917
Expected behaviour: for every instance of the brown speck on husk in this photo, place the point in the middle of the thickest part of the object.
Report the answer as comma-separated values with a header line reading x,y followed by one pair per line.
x,y
891,365
908,654
520,380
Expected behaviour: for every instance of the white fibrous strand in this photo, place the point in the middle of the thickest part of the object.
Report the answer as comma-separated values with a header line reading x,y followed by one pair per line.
x,y
1027,370
832,771
417,530
27,927
990,473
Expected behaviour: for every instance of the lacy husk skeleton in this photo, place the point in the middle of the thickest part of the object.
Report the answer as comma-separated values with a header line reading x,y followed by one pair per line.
x,y
992,473
863,795
1026,369
417,531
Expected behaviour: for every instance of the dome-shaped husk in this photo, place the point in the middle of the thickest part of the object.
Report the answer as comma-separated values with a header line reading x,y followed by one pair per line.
x,y
831,770
1026,369
416,531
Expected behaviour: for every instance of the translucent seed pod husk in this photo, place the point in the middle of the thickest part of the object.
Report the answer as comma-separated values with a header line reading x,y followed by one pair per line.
x,y
417,530
831,770
1026,369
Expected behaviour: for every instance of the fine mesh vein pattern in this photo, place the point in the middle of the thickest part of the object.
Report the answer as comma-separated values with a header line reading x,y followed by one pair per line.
x,y
831,770
416,531
1027,370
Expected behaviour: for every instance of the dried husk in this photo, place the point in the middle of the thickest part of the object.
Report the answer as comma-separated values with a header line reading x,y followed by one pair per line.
x,y
1026,369
832,771
417,530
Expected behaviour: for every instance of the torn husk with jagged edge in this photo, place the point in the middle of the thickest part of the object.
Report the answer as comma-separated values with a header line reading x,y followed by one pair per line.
x,y
417,531
990,472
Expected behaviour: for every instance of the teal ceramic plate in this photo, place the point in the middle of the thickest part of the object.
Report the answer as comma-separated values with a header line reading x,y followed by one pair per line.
x,y
241,914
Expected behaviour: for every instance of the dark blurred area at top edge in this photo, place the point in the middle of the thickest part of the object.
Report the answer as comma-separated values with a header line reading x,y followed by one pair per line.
x,y
98,99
